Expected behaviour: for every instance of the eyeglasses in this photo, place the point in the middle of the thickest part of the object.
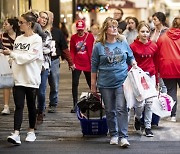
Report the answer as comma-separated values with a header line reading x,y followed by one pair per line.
x,y
43,17
112,26
21,22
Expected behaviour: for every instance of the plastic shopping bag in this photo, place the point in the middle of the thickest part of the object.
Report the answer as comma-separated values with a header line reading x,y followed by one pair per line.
x,y
6,75
128,93
142,84
162,105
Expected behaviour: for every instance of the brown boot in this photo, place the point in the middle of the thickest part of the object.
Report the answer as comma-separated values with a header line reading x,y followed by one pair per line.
x,y
39,119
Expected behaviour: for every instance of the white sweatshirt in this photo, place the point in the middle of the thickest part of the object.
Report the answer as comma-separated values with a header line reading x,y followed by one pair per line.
x,y
27,60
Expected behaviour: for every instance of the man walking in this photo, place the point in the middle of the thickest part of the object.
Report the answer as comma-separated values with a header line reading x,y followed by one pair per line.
x,y
59,48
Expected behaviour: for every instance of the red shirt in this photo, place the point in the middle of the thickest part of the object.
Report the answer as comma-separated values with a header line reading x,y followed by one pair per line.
x,y
145,55
81,51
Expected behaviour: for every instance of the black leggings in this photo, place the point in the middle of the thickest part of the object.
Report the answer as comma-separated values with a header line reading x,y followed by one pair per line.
x,y
75,82
19,94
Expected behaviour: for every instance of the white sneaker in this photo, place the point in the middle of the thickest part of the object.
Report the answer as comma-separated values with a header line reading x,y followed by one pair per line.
x,y
173,119
31,137
124,143
5,111
114,140
14,138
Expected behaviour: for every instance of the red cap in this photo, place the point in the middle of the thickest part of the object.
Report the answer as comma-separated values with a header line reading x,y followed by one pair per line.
x,y
80,25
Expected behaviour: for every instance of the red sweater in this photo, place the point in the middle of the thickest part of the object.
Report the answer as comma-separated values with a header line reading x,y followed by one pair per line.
x,y
145,55
169,54
81,54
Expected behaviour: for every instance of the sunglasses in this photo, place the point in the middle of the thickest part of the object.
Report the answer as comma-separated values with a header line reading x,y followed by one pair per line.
x,y
21,22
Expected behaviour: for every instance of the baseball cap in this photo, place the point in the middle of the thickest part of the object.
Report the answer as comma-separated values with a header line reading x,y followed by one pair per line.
x,y
80,25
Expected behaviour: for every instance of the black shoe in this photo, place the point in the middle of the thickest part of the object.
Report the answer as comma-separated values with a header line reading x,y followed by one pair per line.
x,y
52,109
148,132
137,124
73,111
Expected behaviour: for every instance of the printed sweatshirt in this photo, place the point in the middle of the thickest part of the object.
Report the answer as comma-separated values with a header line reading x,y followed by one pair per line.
x,y
110,62
81,53
27,57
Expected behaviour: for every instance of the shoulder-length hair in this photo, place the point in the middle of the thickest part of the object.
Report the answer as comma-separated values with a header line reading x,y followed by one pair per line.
x,y
176,22
102,34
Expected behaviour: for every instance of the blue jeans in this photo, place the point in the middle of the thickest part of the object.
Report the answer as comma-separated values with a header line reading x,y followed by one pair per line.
x,y
116,111
145,106
53,81
42,91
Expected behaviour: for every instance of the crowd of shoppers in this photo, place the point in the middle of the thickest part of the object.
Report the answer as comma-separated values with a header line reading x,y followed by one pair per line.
x,y
103,55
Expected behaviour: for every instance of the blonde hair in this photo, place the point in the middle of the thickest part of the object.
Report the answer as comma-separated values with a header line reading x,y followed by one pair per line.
x,y
102,35
50,16
142,24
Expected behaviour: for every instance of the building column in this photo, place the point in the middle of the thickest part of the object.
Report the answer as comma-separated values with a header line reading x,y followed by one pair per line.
x,y
54,6
74,7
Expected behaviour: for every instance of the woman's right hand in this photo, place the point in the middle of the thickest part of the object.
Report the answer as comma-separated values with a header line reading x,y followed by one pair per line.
x,y
6,51
72,68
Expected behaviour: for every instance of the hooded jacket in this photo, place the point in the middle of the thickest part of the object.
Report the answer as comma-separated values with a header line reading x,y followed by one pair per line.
x,y
145,55
169,54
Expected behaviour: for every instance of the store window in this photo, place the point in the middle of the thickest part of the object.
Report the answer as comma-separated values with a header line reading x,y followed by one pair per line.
x,y
8,9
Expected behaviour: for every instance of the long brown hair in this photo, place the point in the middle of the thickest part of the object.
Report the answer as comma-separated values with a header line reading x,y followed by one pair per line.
x,y
176,22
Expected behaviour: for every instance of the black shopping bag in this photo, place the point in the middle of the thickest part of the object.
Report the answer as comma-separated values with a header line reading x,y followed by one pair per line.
x,y
90,102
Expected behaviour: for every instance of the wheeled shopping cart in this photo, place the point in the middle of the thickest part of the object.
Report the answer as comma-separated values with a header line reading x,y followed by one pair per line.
x,y
92,125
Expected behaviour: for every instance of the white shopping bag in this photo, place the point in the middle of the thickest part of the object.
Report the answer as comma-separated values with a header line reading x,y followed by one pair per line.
x,y
6,75
142,84
162,105
128,93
